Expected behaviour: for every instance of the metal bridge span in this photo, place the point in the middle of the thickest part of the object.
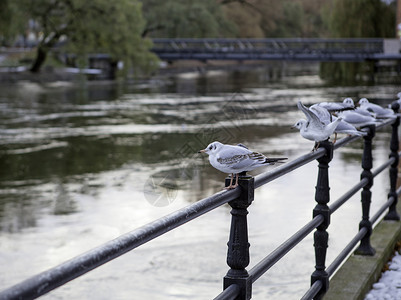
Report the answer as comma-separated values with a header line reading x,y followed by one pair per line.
x,y
298,49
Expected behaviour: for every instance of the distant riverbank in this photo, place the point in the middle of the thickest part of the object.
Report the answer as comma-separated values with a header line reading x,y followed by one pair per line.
x,y
275,70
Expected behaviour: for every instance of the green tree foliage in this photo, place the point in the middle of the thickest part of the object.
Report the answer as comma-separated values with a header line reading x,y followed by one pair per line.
x,y
99,26
356,19
185,19
11,21
313,24
360,18
253,18
271,18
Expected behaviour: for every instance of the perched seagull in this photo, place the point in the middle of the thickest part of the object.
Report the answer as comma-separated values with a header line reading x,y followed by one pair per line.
x,y
326,118
365,112
356,119
313,128
236,159
379,111
347,128
347,104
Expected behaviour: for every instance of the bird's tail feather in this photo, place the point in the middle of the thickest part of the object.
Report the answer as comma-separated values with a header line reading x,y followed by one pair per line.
x,y
274,160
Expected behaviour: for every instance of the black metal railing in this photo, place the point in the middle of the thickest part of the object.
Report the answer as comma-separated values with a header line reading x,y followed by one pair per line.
x,y
237,284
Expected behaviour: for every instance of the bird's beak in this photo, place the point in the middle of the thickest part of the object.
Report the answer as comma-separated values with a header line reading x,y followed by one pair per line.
x,y
202,151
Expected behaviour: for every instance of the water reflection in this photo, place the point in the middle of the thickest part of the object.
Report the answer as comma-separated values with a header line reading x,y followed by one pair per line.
x,y
80,165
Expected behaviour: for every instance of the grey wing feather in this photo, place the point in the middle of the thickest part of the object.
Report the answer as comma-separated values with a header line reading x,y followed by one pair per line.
x,y
242,145
310,115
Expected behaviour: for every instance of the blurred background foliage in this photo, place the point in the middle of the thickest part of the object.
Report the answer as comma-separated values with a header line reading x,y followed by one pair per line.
x,y
99,25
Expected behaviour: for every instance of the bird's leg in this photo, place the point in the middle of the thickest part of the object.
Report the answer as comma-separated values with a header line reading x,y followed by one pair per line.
x,y
335,137
231,186
236,181
231,183
317,144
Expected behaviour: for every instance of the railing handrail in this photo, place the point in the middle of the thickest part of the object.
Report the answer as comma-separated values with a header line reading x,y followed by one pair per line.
x,y
373,45
59,275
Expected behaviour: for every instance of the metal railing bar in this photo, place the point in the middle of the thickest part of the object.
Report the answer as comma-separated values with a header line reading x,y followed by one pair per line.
x,y
346,140
229,293
347,250
340,258
386,205
46,281
266,177
313,290
384,166
385,123
266,263
340,201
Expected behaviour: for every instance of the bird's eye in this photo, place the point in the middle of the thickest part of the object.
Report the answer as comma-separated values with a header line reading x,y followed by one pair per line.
x,y
211,147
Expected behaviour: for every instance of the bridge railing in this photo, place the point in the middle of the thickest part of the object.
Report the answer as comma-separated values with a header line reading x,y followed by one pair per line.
x,y
237,284
271,45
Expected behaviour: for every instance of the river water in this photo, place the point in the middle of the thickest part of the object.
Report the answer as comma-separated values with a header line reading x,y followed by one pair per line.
x,y
81,164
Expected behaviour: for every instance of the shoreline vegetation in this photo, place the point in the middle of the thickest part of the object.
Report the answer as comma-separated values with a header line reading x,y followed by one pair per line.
x,y
65,32
275,70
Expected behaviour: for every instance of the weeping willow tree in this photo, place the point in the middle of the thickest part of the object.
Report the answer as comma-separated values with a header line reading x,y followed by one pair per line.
x,y
356,19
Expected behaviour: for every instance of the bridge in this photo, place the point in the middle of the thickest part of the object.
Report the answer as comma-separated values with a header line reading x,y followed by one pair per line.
x,y
292,49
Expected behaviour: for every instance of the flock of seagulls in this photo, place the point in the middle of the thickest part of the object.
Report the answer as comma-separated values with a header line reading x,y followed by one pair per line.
x,y
325,118
322,121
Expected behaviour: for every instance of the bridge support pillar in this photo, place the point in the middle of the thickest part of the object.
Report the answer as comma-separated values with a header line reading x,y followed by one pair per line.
x,y
321,236
367,163
238,245
394,145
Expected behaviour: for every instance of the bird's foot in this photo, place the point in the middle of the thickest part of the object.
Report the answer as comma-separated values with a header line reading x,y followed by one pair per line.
x,y
231,187
316,146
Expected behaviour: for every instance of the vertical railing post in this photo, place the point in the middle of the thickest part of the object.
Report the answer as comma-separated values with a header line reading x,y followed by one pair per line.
x,y
366,195
321,236
394,146
238,245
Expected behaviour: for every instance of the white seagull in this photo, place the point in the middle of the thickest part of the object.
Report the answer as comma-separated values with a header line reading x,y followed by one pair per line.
x,y
236,159
326,118
313,128
356,119
347,104
379,111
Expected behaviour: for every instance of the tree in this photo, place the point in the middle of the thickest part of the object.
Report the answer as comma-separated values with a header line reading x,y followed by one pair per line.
x,y
185,19
270,18
254,18
345,20
100,26
11,21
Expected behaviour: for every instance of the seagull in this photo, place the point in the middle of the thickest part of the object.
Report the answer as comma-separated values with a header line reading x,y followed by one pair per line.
x,y
326,118
356,119
347,104
379,111
236,159
313,128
